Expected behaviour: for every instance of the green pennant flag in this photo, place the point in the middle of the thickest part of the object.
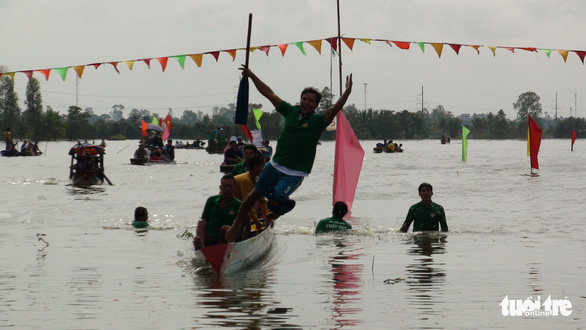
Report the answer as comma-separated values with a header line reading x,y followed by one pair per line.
x,y
465,133
257,114
546,51
62,72
421,45
181,60
299,44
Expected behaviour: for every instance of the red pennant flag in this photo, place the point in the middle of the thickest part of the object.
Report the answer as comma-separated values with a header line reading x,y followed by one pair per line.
x,y
512,49
456,48
163,61
45,73
402,44
247,132
573,139
168,122
115,65
534,142
580,54
28,73
334,43
144,128
529,49
96,65
265,49
215,54
148,62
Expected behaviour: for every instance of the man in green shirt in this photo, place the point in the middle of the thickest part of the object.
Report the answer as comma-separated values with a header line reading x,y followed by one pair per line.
x,y
336,222
428,216
296,149
242,167
218,215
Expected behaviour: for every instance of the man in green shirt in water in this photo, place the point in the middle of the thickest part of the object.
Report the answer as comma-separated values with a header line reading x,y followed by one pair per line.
x,y
428,216
336,222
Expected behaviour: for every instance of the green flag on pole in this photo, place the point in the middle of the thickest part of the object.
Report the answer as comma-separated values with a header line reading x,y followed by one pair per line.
x,y
465,133
257,114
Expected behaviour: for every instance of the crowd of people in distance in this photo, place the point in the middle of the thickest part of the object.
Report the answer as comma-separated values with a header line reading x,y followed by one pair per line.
x,y
235,151
389,147
28,148
152,149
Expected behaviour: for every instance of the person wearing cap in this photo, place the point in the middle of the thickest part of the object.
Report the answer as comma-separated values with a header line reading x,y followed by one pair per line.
x,y
141,153
296,149
233,155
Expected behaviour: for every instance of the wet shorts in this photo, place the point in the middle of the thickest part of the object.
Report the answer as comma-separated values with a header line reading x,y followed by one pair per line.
x,y
277,187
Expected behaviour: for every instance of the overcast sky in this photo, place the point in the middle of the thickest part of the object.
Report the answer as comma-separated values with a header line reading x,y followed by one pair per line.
x,y
51,34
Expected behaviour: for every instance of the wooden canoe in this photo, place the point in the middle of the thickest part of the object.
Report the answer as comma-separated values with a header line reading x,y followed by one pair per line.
x,y
229,258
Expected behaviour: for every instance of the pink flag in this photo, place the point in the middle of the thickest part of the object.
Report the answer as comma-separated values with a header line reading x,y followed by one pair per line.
x,y
348,162
166,134
573,139
534,142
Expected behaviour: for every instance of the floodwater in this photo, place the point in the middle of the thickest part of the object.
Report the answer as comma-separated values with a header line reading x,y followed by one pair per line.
x,y
71,260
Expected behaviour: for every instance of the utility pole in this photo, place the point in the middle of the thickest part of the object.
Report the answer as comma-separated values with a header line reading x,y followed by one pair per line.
x,y
365,96
576,105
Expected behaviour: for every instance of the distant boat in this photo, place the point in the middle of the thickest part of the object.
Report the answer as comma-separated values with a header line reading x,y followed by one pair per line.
x,y
87,165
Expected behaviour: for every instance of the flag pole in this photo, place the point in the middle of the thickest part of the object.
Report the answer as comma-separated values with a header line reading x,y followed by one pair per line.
x,y
248,39
339,47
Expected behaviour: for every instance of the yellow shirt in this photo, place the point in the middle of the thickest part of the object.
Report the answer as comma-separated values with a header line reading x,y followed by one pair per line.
x,y
244,185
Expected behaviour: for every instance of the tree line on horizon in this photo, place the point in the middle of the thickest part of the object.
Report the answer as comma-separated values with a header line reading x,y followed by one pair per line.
x,y
38,124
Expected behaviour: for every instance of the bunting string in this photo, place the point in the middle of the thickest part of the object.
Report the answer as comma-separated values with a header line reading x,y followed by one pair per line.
x,y
316,44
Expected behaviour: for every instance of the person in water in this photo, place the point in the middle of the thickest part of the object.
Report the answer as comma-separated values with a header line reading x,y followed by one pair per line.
x,y
426,215
296,149
336,222
141,217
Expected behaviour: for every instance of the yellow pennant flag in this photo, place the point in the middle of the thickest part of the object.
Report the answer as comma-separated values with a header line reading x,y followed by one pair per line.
x,y
316,44
493,48
130,64
232,53
564,54
438,48
197,59
79,70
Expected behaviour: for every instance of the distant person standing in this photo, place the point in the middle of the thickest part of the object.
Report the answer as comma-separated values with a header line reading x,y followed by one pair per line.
x,y
426,215
170,149
7,138
336,222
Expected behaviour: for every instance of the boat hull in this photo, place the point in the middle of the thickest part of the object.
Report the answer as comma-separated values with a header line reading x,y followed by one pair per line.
x,y
228,258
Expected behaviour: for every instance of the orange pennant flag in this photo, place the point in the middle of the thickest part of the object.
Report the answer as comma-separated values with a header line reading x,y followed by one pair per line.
x,y
79,70
163,61
265,49
438,48
215,54
197,59
45,73
580,54
349,42
148,62
493,48
564,53
115,65
232,53
456,48
283,48
402,44
475,47
316,44
130,64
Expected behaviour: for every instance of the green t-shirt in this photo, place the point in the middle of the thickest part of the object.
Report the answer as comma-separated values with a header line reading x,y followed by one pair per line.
x,y
215,217
238,169
140,224
425,219
331,224
297,143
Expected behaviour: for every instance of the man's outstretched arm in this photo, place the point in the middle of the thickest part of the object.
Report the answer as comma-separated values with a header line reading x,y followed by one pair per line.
x,y
333,110
262,88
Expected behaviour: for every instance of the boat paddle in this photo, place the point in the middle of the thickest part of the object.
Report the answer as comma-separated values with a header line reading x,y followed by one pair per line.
x,y
241,117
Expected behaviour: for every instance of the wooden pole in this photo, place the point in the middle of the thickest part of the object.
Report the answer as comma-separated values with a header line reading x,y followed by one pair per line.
x,y
339,47
248,39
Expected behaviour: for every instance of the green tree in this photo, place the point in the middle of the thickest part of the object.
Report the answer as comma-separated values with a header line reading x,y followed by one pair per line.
x,y
527,105
34,109
77,122
9,109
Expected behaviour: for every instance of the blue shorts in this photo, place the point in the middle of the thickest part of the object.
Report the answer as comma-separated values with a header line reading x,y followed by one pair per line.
x,y
277,187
